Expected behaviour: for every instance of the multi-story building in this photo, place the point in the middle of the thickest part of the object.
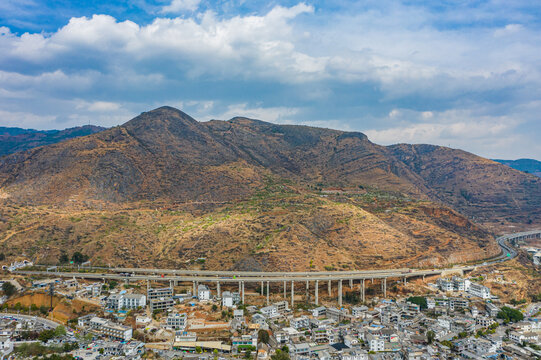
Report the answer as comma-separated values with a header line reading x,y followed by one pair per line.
x,y
484,321
460,284
227,299
375,342
458,303
125,301
445,284
203,292
335,314
479,291
110,329
281,306
269,311
359,311
319,311
176,321
244,340
491,309
134,301
299,323
163,303
159,293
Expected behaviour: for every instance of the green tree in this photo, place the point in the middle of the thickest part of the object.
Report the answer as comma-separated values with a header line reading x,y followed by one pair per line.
x,y
508,314
418,300
214,307
263,336
198,349
8,289
79,258
63,259
280,355
248,354
46,335
2,257
60,331
430,336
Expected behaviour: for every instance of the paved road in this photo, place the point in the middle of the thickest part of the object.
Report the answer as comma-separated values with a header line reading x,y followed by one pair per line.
x,y
45,322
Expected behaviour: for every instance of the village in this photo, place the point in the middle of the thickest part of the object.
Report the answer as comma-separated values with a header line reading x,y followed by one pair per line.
x,y
454,317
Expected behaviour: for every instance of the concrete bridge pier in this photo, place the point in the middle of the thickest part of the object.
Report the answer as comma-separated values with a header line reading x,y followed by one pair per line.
x,y
292,294
218,289
317,288
268,293
329,286
243,293
339,294
194,290
307,295
351,283
262,292
285,290
384,287
405,280
362,290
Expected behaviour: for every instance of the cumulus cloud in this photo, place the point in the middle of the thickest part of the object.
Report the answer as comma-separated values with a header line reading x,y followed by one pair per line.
x,y
401,71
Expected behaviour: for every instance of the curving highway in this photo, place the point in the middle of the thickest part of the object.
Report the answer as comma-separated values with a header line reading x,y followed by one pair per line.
x,y
180,275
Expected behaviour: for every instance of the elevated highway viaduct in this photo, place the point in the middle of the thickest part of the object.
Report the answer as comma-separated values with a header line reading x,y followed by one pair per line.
x,y
176,276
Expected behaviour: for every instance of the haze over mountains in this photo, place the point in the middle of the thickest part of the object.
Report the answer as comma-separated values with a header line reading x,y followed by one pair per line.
x,y
16,139
527,165
269,190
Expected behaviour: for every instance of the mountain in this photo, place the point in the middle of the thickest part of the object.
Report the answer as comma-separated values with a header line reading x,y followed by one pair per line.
x,y
166,189
16,139
527,165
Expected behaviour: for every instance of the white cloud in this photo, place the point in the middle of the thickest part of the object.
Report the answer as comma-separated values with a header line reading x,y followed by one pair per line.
x,y
177,6
405,72
101,106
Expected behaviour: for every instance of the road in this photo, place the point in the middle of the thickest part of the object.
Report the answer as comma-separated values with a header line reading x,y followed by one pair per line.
x,y
179,275
45,322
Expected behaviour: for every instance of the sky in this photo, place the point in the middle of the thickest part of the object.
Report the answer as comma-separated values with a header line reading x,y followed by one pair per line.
x,y
458,73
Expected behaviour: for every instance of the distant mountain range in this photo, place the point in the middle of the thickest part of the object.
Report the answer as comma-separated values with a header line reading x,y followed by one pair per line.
x,y
166,189
527,165
16,139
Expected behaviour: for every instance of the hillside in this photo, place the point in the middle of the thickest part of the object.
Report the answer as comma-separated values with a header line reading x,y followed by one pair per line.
x,y
16,139
527,165
250,194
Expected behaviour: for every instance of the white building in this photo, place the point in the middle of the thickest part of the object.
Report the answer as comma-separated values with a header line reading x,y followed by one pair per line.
x,y
110,329
319,311
358,311
227,299
6,345
176,321
445,284
269,311
375,343
126,301
479,291
299,323
203,293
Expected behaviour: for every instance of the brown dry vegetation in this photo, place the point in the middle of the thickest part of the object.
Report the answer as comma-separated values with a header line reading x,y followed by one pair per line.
x,y
165,190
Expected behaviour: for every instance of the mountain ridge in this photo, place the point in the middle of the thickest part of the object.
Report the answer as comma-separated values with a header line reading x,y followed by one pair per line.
x,y
164,189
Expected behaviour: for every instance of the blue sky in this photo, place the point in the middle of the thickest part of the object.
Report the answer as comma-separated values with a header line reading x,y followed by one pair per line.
x,y
464,74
